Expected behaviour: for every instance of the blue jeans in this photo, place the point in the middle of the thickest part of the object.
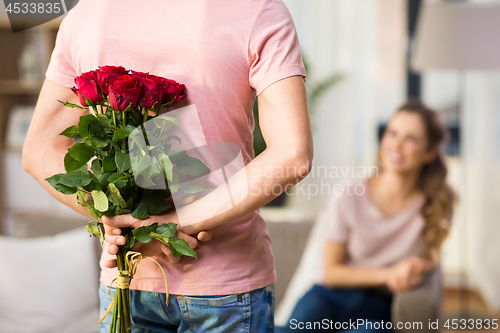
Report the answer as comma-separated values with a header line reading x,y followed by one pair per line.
x,y
336,310
247,312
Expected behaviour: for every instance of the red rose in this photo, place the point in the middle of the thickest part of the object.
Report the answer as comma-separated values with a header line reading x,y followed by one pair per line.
x,y
152,92
173,92
87,89
105,74
77,93
124,91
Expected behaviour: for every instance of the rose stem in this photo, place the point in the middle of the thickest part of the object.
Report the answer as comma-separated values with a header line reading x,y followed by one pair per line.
x,y
119,316
144,119
125,292
115,312
126,312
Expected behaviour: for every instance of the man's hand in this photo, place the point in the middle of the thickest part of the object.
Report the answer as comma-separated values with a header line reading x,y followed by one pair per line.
x,y
408,274
155,248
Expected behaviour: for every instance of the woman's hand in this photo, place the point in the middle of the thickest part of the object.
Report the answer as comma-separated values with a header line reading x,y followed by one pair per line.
x,y
408,274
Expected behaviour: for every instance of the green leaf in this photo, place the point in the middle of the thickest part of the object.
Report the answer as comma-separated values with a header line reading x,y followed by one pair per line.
x,y
115,144
167,166
119,179
96,128
178,156
123,133
70,132
97,168
108,163
142,234
115,197
81,195
93,186
104,120
83,125
70,164
123,211
100,200
130,241
104,179
81,152
122,161
148,166
193,189
141,211
71,105
76,179
145,182
96,230
181,246
92,211
167,229
156,204
99,141
192,166
59,187
175,253
130,202
165,122
175,137
174,184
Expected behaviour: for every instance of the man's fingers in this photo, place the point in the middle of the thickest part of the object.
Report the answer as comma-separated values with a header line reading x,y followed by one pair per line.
x,y
110,263
122,221
204,235
189,199
168,253
112,249
193,242
115,240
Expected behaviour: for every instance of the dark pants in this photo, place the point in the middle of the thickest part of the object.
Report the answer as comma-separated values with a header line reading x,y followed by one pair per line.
x,y
324,309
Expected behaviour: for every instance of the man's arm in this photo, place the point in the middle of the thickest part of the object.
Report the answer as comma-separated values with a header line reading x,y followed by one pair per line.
x,y
285,125
44,148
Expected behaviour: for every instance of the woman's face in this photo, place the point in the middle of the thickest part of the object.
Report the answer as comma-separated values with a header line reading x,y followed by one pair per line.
x,y
404,144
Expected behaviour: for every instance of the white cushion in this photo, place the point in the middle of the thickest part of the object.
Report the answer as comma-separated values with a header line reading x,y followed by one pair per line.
x,y
49,284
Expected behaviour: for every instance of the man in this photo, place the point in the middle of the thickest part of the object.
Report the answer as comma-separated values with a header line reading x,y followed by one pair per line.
x,y
226,53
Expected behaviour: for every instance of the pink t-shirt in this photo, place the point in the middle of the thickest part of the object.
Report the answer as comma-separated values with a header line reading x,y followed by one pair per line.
x,y
226,53
373,239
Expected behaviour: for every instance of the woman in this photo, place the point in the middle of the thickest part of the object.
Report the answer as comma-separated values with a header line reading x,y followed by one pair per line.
x,y
386,239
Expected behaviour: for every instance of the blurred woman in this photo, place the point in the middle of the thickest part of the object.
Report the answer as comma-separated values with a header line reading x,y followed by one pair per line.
x,y
386,238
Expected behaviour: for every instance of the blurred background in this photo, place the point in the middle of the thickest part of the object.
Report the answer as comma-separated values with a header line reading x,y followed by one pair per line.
x,y
364,58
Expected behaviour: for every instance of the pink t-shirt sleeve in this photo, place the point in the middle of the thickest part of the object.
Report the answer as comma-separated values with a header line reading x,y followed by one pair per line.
x,y
337,227
61,68
273,46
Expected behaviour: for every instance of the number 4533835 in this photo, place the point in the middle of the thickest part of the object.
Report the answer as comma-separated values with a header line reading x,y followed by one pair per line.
x,y
34,8
477,324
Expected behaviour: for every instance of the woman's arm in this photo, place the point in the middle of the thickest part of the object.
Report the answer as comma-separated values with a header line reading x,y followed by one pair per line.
x,y
338,274
405,275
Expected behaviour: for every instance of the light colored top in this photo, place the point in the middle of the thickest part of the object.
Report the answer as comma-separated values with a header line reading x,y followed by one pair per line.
x,y
225,52
373,239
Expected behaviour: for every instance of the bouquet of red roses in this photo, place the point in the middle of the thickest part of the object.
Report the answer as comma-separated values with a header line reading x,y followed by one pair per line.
x,y
121,102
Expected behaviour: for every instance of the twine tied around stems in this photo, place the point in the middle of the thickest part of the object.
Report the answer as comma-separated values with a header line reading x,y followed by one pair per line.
x,y
125,276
